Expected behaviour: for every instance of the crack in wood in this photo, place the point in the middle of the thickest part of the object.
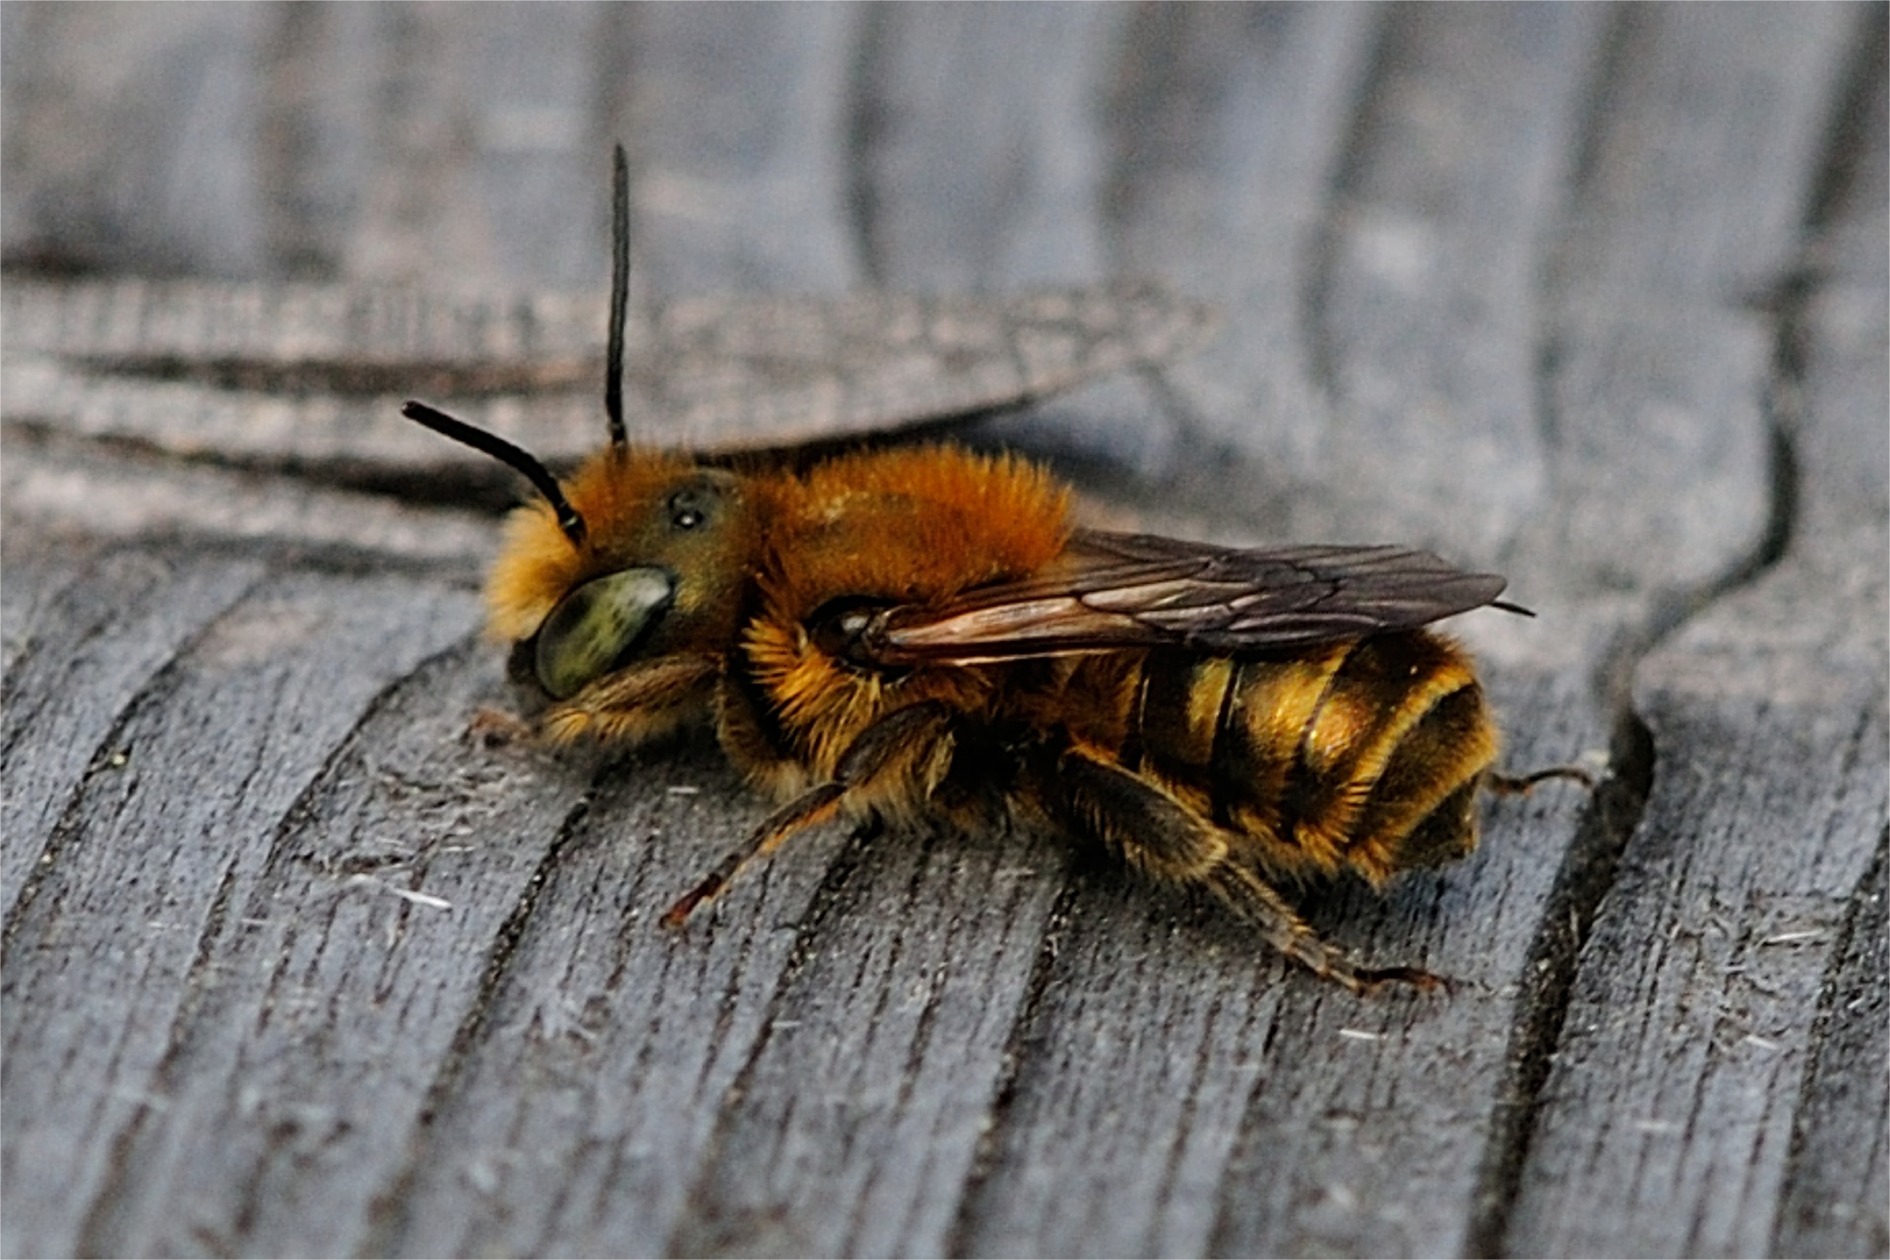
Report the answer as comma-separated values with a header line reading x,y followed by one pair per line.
x,y
1618,805
1587,873
388,1213
107,755
103,1229
1811,1220
1025,1037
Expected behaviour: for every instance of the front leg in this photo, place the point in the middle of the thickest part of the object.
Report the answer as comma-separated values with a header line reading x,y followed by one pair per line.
x,y
634,705
895,763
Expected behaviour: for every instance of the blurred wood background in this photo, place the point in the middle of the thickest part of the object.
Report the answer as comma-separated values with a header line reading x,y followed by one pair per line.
x,y
1593,295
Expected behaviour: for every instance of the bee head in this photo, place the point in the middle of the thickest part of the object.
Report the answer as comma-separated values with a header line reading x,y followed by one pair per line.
x,y
639,554
668,547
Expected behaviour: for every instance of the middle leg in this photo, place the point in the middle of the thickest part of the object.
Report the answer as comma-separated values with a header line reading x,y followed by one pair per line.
x,y
902,756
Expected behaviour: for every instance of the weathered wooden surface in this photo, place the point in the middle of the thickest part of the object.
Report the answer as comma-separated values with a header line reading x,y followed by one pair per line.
x,y
1593,295
312,377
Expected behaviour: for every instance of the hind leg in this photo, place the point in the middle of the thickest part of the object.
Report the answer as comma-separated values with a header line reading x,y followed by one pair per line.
x,y
1151,830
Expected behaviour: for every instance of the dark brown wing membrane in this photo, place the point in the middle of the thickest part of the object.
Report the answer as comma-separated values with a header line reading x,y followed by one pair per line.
x,y
1138,590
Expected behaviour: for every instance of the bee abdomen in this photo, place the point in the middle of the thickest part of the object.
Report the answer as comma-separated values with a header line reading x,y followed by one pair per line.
x,y
1364,755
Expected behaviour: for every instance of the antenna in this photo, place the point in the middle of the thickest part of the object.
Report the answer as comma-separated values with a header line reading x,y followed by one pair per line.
x,y
515,457
619,293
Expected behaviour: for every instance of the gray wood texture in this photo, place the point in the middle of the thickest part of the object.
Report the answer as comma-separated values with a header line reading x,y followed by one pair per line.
x,y
290,963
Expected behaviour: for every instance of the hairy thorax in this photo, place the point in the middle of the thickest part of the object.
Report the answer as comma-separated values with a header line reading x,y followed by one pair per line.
x,y
908,527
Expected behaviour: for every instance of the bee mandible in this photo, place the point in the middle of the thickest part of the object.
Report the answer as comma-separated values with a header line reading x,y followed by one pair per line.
x,y
885,634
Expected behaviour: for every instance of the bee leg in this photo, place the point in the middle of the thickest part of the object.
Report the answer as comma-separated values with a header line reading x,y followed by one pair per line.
x,y
1523,784
1258,902
494,728
909,749
1155,833
633,705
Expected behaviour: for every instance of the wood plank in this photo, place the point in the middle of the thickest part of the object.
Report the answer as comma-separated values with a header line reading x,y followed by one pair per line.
x,y
740,142
153,852
1235,126
310,378
291,965
1760,853
983,190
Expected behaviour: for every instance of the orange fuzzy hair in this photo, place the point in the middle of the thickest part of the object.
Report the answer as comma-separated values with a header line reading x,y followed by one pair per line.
x,y
915,525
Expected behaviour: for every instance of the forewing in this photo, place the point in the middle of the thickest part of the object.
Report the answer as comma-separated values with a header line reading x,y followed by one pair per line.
x,y
1109,591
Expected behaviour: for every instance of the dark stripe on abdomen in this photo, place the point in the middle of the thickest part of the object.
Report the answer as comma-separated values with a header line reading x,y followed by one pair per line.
x,y
1183,700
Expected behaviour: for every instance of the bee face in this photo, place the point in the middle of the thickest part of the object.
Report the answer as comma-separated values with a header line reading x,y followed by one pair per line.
x,y
665,550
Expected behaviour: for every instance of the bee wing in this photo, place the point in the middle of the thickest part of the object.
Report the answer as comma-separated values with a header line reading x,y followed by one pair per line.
x,y
1109,591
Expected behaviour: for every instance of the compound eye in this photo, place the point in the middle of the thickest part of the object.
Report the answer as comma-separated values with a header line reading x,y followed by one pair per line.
x,y
597,625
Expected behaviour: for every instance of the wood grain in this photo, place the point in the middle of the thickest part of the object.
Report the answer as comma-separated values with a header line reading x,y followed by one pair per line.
x,y
291,963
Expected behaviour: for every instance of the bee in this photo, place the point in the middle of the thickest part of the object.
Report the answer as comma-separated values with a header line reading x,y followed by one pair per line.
x,y
884,634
